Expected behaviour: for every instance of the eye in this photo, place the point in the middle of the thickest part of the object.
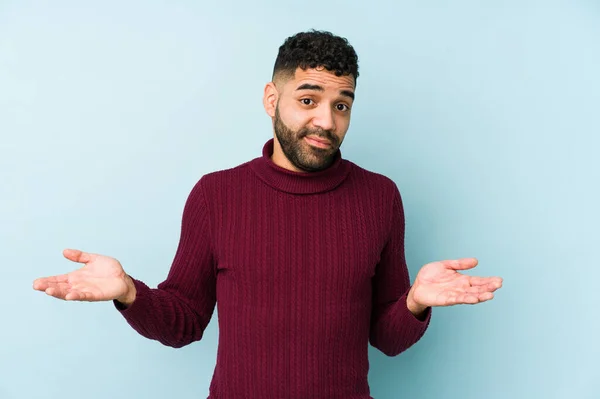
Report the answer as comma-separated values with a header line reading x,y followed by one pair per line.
x,y
342,107
306,101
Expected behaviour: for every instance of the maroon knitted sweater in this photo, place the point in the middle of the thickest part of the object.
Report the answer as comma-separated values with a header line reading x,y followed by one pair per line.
x,y
305,270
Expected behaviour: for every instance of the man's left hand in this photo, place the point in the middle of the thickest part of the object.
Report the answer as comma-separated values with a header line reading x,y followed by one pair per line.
x,y
441,284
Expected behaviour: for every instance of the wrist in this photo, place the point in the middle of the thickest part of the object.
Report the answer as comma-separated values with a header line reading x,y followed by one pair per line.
x,y
413,306
129,296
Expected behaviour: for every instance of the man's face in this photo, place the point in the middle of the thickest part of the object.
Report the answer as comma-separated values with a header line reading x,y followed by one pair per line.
x,y
312,115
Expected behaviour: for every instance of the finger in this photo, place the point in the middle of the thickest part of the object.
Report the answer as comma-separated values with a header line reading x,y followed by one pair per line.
x,y
490,287
68,293
461,264
75,295
42,283
486,296
495,281
457,298
76,255
479,289
472,299
467,299
58,291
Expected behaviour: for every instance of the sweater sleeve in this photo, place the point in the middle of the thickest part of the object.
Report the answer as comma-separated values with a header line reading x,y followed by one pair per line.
x,y
393,327
177,312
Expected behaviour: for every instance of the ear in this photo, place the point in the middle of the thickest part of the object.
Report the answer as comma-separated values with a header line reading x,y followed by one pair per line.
x,y
270,97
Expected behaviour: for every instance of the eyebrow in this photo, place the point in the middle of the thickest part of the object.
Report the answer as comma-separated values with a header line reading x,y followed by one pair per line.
x,y
308,86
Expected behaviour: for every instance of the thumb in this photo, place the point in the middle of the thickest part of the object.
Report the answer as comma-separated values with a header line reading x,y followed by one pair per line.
x,y
461,264
76,255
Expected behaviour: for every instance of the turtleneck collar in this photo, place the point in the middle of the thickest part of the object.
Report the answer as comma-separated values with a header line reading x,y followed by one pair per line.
x,y
299,182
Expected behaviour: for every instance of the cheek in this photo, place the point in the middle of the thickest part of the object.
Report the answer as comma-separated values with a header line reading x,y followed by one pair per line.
x,y
296,119
342,124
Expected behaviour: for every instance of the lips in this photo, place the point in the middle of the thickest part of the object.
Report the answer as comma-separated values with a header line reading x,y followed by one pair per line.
x,y
318,141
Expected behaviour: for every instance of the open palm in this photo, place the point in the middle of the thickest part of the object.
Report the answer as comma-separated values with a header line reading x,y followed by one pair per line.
x,y
441,284
102,278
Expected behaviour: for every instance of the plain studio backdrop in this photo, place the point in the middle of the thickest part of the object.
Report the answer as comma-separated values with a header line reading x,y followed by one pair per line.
x,y
485,115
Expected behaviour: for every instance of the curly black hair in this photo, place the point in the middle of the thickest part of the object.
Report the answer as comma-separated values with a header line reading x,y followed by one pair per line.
x,y
314,49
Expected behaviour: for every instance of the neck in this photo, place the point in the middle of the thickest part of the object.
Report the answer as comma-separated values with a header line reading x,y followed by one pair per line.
x,y
290,181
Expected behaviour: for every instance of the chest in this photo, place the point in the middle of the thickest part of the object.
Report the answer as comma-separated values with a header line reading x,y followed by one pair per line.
x,y
304,245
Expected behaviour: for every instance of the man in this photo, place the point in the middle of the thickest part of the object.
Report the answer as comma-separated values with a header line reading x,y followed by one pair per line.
x,y
301,250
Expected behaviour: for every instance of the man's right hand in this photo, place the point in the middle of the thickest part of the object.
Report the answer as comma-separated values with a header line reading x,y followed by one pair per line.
x,y
100,279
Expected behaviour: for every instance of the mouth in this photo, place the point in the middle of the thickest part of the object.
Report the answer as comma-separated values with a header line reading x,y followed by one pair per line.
x,y
317,142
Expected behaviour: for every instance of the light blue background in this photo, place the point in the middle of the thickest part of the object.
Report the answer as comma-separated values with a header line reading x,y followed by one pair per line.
x,y
485,114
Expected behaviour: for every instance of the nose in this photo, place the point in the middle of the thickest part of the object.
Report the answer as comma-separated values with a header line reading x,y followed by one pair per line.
x,y
324,118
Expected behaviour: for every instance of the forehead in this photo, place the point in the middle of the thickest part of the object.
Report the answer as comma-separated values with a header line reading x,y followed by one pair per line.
x,y
321,77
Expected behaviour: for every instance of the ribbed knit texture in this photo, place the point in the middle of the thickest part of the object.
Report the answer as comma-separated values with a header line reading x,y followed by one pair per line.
x,y
305,270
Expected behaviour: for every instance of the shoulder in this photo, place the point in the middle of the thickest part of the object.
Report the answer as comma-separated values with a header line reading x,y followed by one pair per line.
x,y
223,178
378,183
216,184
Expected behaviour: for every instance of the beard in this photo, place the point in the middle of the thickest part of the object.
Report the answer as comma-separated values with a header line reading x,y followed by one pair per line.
x,y
301,154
